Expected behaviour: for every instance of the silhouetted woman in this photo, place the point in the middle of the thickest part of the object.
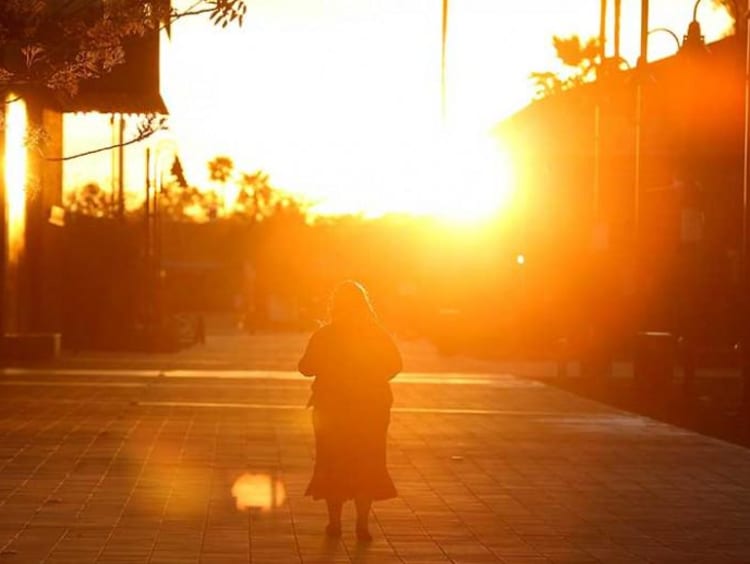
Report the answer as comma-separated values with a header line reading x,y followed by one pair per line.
x,y
352,359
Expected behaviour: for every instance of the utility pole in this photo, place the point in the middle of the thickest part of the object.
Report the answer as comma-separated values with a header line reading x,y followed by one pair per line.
x,y
640,72
745,250
603,28
443,43
597,113
618,25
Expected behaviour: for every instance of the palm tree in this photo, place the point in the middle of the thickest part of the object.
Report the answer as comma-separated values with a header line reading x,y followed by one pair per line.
x,y
581,58
220,169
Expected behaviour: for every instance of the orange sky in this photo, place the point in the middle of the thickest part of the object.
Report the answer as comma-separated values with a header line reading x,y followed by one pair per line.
x,y
340,99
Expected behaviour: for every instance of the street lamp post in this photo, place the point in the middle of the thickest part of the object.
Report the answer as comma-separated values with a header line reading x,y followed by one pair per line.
x,y
443,45
692,43
640,72
154,268
745,251
668,31
694,39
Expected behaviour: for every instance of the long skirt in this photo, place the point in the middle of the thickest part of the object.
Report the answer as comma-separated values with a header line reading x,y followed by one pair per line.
x,y
350,455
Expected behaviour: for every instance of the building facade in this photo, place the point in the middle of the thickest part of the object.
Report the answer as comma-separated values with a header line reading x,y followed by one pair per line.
x,y
32,231
635,184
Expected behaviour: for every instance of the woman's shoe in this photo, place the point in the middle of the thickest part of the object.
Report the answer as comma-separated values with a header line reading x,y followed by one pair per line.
x,y
363,535
333,531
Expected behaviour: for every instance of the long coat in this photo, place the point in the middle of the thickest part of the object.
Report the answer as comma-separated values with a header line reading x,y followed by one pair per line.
x,y
353,364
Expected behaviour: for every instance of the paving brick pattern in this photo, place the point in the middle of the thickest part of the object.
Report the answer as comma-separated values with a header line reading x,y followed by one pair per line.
x,y
103,466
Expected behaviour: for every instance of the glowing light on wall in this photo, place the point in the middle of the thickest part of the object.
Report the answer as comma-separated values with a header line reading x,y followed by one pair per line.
x,y
15,175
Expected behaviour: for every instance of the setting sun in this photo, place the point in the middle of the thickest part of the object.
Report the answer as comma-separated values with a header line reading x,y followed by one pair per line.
x,y
354,128
447,175
467,178
360,130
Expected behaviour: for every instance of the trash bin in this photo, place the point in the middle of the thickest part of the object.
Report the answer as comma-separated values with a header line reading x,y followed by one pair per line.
x,y
654,361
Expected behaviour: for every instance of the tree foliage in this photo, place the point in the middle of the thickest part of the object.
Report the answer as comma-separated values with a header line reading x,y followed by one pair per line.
x,y
580,60
220,168
257,200
737,9
91,200
56,44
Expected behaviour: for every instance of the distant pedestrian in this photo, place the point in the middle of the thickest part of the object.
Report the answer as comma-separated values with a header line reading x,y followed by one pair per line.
x,y
353,360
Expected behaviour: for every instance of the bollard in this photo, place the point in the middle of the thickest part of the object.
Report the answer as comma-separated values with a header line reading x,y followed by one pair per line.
x,y
687,360
653,362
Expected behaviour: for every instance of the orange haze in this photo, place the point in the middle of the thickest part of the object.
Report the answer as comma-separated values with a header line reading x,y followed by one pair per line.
x,y
339,100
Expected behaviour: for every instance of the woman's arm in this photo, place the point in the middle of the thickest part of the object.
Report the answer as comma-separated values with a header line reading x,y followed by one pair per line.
x,y
308,365
392,362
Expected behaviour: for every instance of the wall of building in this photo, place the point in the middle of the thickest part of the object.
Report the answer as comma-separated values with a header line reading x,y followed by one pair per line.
x,y
667,258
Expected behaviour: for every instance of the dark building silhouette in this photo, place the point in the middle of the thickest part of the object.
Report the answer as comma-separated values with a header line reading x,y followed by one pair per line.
x,y
32,302
665,256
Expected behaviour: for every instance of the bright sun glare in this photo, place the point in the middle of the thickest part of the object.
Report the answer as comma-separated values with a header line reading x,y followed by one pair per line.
x,y
339,100
489,180
355,130
466,178
454,176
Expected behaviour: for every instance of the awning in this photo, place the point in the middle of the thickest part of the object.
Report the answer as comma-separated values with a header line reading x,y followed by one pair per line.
x,y
131,87
116,102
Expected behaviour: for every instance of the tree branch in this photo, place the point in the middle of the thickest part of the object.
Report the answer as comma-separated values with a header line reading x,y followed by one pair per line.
x,y
139,137
67,41
178,15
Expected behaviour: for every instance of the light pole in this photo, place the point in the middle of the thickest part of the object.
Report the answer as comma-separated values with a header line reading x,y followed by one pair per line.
x,y
640,71
670,32
443,45
745,251
596,188
693,39
154,271
692,42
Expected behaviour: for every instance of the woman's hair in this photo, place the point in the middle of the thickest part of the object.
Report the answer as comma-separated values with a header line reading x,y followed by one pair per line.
x,y
350,302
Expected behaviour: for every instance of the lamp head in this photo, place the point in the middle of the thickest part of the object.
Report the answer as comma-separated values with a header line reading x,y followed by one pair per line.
x,y
694,41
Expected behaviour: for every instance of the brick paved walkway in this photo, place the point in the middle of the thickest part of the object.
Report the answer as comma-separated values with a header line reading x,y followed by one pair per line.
x,y
139,465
